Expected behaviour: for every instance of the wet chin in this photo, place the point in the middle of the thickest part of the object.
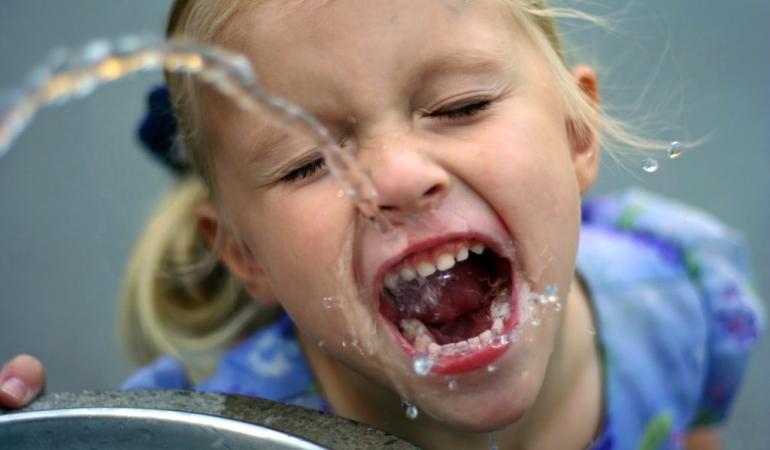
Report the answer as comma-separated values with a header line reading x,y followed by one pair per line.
x,y
485,411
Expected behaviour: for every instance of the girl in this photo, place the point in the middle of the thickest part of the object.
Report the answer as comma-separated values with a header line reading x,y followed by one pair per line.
x,y
480,313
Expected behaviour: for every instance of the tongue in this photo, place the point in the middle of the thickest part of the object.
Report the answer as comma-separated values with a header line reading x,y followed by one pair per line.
x,y
444,296
464,327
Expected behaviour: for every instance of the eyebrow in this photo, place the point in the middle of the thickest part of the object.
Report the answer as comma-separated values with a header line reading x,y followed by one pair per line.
x,y
460,61
264,142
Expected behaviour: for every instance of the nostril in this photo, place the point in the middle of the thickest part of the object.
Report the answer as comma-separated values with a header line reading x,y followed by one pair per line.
x,y
433,191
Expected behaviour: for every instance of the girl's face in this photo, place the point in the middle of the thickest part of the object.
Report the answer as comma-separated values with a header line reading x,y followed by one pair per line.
x,y
458,120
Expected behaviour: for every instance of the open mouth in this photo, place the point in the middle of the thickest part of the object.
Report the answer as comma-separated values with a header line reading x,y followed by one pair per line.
x,y
451,302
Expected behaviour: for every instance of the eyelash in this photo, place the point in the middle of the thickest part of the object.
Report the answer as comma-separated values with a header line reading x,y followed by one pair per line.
x,y
306,170
462,111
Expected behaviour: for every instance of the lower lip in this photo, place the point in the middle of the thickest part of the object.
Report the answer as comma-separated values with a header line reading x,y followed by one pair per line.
x,y
472,360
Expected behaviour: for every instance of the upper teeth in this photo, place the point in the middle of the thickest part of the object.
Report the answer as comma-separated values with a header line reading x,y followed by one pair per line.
x,y
442,262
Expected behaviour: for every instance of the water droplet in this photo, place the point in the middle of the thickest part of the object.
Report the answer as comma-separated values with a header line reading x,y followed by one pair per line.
x,y
550,295
650,165
452,385
321,344
329,302
349,341
492,441
422,365
592,331
675,150
445,278
410,410
340,193
96,51
535,320
491,368
498,341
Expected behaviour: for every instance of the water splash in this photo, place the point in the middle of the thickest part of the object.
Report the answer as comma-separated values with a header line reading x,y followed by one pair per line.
x,y
70,76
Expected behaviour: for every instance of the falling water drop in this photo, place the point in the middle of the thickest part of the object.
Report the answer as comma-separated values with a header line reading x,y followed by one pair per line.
x,y
422,365
675,150
592,331
410,410
492,441
650,165
452,385
491,368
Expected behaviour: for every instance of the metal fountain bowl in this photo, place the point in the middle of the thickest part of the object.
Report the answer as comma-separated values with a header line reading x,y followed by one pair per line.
x,y
118,420
126,428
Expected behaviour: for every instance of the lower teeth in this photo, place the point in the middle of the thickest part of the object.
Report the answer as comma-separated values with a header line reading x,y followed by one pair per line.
x,y
418,335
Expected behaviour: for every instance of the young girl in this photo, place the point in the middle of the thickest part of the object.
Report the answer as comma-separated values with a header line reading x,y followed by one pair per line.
x,y
480,313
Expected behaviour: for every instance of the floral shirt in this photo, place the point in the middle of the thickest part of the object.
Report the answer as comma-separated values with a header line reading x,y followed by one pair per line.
x,y
676,319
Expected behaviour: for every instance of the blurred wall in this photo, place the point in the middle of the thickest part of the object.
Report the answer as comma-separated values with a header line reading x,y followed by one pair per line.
x,y
76,189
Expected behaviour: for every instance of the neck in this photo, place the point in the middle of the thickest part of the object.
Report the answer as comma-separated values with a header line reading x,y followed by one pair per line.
x,y
566,414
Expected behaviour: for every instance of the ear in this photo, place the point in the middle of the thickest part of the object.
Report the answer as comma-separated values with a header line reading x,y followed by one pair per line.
x,y
585,142
240,261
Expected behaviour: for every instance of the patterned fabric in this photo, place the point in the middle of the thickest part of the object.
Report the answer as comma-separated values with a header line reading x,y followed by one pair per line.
x,y
676,312
676,319
269,365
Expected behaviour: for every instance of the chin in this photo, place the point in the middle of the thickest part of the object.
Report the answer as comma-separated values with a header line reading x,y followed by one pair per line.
x,y
484,412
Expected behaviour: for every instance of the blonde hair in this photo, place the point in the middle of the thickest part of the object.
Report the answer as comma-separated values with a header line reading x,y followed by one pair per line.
x,y
194,317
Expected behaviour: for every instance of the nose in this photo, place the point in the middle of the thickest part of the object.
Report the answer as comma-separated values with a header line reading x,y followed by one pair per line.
x,y
407,179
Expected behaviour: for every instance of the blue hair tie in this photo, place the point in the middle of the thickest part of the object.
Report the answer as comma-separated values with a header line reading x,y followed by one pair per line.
x,y
158,132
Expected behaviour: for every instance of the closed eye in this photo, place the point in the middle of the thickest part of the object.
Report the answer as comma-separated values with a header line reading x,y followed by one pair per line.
x,y
462,111
305,171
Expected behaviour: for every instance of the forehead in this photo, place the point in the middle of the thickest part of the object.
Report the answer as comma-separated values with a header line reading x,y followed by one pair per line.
x,y
292,42
333,56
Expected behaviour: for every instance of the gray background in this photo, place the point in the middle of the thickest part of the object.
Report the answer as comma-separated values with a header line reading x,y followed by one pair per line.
x,y
76,189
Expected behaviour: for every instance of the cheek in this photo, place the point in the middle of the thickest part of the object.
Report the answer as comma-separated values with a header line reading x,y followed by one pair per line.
x,y
305,243
529,180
